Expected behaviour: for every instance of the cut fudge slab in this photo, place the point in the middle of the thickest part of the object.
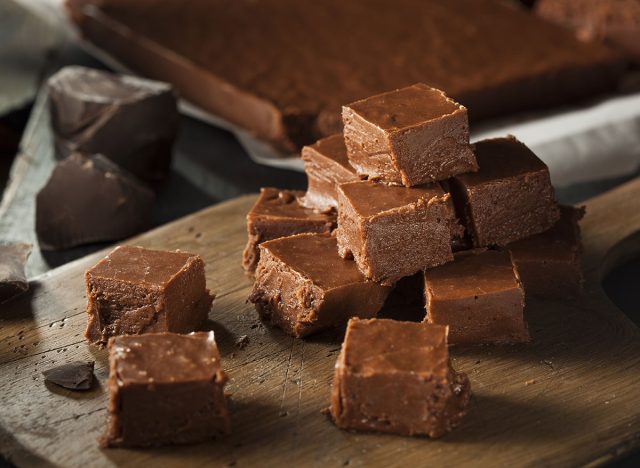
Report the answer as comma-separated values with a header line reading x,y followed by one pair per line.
x,y
275,214
479,296
134,290
509,198
409,136
114,204
396,377
549,263
130,120
165,388
495,60
303,286
327,166
394,231
614,23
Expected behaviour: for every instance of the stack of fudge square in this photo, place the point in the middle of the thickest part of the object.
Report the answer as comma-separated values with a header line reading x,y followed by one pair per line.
x,y
402,194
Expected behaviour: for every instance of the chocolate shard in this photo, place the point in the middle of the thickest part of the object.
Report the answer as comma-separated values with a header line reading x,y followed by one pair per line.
x,y
13,280
77,375
130,120
90,199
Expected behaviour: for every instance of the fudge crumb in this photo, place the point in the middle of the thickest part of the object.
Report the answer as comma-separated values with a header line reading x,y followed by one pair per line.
x,y
242,341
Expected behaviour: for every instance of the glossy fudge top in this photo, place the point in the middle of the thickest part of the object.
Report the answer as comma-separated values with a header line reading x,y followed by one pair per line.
x,y
139,265
283,204
378,345
81,86
406,107
501,158
370,198
331,147
315,256
165,358
472,273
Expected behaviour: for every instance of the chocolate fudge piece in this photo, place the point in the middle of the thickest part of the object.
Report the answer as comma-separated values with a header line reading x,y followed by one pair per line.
x,y
13,280
479,296
130,120
327,166
165,388
113,204
496,60
277,213
616,23
549,263
409,136
303,286
394,231
396,377
76,375
134,290
509,198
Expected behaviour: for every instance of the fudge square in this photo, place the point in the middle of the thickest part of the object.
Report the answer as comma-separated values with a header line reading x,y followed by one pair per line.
x,y
549,263
394,231
509,198
134,290
302,285
409,136
275,214
327,166
396,377
479,296
165,388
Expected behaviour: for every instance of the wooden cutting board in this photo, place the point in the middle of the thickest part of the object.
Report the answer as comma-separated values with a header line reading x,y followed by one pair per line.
x,y
571,397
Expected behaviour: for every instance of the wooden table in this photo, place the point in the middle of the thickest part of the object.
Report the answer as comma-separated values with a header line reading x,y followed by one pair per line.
x,y
569,398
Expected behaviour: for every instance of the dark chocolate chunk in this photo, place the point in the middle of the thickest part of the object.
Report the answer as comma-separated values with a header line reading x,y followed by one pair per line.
x,y
13,280
130,120
90,199
76,375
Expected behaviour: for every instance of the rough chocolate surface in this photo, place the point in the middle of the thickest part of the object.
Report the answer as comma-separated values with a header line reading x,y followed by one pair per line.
x,y
479,296
396,377
303,286
13,280
135,290
509,198
491,57
277,213
90,199
394,231
409,136
615,23
549,263
130,120
327,166
73,376
165,388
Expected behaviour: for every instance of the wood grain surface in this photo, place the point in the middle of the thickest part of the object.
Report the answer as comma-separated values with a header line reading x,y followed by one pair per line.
x,y
571,397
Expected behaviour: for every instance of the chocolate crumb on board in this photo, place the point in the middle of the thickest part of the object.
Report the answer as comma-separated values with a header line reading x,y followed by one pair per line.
x,y
77,375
